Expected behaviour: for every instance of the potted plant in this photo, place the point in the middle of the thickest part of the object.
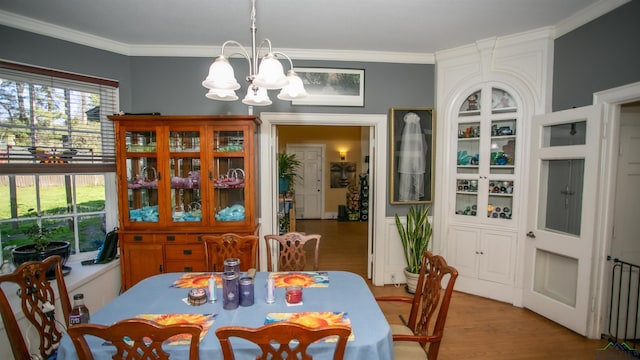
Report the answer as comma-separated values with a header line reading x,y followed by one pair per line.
x,y
41,246
287,171
415,236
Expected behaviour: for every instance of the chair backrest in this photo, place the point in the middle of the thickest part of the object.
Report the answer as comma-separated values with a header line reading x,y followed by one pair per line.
x,y
224,246
35,290
275,340
135,338
430,301
292,255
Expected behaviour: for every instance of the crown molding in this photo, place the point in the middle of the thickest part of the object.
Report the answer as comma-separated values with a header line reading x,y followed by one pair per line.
x,y
59,32
63,33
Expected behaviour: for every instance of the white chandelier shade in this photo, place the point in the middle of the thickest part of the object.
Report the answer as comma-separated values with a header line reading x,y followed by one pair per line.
x,y
270,74
222,95
295,88
222,83
256,97
221,76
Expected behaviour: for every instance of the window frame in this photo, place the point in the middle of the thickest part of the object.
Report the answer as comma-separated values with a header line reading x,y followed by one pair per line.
x,y
108,90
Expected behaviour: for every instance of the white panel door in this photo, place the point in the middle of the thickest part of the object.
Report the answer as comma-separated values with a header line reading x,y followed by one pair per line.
x,y
308,189
564,168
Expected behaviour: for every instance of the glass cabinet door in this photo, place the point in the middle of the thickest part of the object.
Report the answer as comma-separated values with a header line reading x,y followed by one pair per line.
x,y
486,140
503,132
184,165
228,174
142,176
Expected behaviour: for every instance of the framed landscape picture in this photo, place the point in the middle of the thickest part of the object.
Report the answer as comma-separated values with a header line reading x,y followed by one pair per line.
x,y
331,87
411,146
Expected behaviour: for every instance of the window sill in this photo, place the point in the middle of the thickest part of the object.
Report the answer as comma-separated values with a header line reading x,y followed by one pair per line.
x,y
79,276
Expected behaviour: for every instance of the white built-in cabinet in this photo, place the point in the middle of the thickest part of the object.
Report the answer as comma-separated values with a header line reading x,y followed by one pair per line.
x,y
483,254
487,94
484,188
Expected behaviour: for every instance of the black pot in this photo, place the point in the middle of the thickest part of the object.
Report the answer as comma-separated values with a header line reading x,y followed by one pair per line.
x,y
24,253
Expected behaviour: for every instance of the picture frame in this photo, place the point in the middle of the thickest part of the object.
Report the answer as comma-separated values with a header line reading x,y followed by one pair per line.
x,y
411,155
331,87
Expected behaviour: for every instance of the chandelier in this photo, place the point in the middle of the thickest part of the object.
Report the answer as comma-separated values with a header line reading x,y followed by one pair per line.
x,y
222,82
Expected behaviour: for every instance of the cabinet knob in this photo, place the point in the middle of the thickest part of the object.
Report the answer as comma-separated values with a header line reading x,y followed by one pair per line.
x,y
186,251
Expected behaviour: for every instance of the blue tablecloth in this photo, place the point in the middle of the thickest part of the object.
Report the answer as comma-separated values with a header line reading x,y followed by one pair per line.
x,y
347,292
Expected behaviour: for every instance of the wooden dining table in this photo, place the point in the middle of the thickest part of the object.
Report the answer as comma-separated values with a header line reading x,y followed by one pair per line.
x,y
333,296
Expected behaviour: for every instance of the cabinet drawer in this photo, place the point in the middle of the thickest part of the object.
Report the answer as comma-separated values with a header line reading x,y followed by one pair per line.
x,y
188,252
139,238
172,238
185,266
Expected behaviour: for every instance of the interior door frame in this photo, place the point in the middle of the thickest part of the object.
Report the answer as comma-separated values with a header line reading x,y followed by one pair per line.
x,y
610,101
377,181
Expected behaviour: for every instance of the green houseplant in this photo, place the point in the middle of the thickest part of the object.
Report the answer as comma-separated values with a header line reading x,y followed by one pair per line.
x,y
415,236
41,245
288,165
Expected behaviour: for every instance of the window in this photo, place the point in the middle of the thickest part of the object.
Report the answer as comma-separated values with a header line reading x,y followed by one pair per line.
x,y
57,156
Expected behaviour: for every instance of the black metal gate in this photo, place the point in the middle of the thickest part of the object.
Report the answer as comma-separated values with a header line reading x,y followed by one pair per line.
x,y
624,303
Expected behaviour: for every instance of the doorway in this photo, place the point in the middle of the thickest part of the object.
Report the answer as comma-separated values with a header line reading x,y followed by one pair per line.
x,y
621,275
376,143
615,103
324,206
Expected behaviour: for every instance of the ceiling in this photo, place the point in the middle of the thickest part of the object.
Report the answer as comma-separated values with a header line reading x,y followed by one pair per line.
x,y
410,29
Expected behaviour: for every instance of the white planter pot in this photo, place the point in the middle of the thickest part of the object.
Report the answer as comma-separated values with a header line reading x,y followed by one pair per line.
x,y
412,281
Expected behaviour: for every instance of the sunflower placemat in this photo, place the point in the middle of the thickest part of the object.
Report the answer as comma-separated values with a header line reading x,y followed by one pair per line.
x,y
206,320
312,319
196,280
310,279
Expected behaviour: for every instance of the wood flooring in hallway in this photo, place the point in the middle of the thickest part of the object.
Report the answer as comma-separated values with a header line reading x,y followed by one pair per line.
x,y
477,328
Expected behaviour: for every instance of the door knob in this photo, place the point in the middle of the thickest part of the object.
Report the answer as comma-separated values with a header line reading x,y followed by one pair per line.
x,y
531,235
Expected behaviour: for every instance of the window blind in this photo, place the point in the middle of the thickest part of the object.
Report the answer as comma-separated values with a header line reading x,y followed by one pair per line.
x,y
55,122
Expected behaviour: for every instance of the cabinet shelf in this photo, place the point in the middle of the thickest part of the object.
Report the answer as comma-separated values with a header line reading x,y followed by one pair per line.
x,y
500,195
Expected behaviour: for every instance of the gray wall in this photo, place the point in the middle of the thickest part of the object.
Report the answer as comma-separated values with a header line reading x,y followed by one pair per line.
x,y
603,54
37,50
173,86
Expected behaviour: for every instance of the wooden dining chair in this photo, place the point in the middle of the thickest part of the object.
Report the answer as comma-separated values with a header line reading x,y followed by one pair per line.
x,y
38,304
292,255
283,340
135,338
224,246
420,337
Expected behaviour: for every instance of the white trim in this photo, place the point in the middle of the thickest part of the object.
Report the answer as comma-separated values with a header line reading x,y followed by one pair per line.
x,y
59,32
378,182
67,34
610,101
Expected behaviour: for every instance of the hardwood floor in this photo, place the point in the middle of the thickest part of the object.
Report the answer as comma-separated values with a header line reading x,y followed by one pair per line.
x,y
477,328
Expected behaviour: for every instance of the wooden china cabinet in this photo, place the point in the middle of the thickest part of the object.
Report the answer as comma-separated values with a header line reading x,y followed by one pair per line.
x,y
181,177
